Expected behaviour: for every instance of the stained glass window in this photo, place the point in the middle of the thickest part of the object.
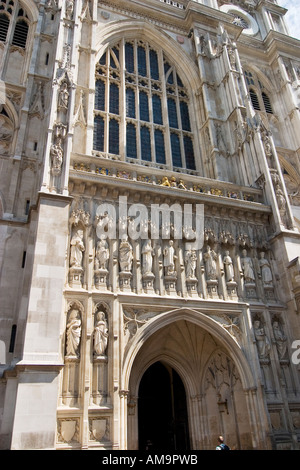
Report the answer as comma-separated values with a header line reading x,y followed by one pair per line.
x,y
99,133
130,103
100,95
142,69
189,153
176,152
113,136
131,141
157,112
144,107
172,112
114,98
145,144
154,120
159,146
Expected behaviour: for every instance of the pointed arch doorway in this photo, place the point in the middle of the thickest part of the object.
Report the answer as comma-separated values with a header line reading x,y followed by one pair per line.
x,y
162,410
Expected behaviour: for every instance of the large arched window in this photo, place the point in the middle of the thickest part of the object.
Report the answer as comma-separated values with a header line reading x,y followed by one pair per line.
x,y
142,107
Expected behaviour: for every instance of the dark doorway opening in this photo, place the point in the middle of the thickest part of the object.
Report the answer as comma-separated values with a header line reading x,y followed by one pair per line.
x,y
162,410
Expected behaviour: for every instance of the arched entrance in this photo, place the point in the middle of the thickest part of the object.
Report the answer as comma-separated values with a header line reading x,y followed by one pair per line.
x,y
162,410
221,397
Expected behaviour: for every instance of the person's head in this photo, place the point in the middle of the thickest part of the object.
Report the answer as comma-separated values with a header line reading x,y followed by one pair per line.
x,y
221,439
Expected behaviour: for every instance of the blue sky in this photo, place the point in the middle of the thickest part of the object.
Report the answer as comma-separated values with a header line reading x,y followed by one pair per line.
x,y
293,16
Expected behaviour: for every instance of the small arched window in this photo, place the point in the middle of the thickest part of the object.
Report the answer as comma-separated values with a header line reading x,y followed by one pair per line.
x,y
4,25
267,103
20,33
254,100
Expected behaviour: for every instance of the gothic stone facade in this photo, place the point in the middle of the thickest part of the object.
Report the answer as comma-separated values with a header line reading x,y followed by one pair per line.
x,y
186,104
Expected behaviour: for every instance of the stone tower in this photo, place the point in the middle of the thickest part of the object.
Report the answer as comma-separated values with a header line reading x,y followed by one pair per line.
x,y
149,209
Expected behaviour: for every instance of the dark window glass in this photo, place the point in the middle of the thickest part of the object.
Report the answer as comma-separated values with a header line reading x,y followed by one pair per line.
x,y
100,95
130,103
267,103
20,34
154,65
189,153
145,144
179,82
172,113
114,98
176,153
170,79
159,146
254,100
113,63
129,58
99,133
113,136
185,118
144,107
157,113
102,61
142,69
131,141
4,25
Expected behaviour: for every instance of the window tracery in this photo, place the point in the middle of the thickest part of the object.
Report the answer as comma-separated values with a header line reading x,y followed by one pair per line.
x,y
14,23
142,107
259,97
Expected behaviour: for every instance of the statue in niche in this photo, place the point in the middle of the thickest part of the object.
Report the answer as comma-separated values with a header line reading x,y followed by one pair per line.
x,y
77,248
262,341
63,97
56,154
280,339
265,269
210,258
102,255
100,334
73,333
229,272
247,267
190,263
169,259
147,260
126,255
69,9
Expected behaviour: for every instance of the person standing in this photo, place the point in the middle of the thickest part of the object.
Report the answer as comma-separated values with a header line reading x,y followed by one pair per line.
x,y
222,445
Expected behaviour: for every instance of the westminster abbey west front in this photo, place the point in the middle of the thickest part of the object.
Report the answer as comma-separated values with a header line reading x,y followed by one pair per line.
x,y
124,329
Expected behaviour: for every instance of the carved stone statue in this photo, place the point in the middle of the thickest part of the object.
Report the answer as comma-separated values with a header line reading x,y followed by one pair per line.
x,y
210,258
265,269
262,341
247,267
126,255
77,248
100,334
63,96
280,339
229,272
190,259
169,259
147,257
56,154
73,333
102,254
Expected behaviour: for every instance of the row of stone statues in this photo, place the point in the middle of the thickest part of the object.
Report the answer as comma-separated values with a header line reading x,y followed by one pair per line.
x,y
73,334
263,343
102,255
